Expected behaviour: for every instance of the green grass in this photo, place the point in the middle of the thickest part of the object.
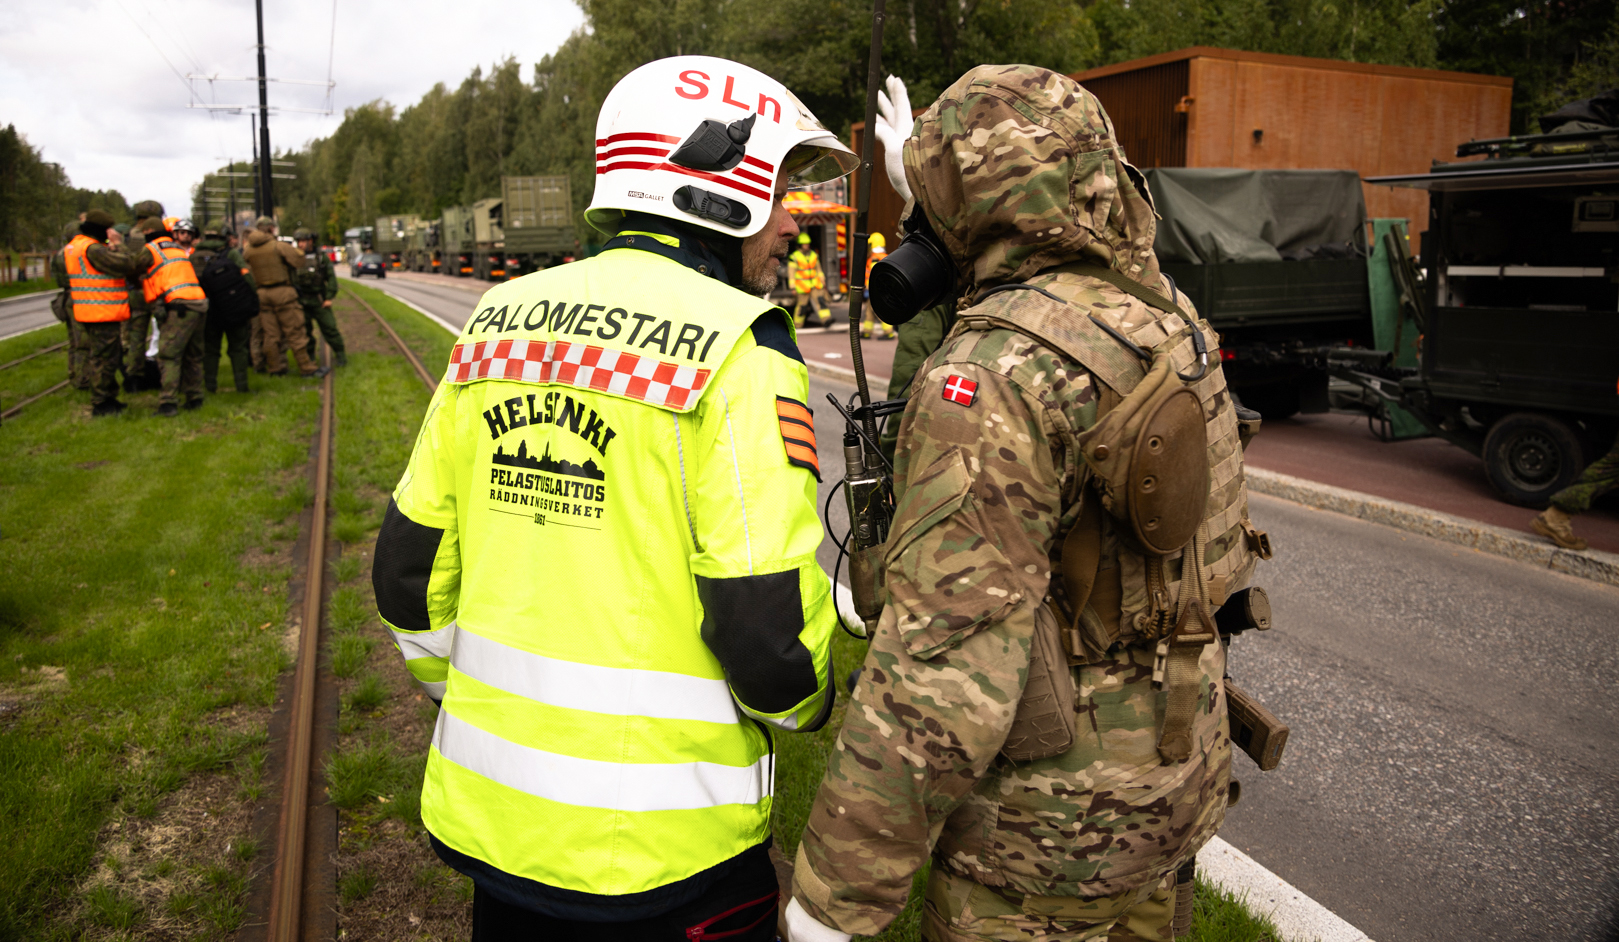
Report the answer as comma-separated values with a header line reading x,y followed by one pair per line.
x,y
11,289
129,610
428,339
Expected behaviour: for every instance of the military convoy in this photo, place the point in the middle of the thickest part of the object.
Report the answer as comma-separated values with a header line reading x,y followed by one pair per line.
x,y
527,228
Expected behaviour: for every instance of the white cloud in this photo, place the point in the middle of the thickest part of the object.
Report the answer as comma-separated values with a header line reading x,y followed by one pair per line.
x,y
88,88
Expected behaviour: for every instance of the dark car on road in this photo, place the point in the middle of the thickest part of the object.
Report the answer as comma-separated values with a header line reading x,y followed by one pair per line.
x,y
368,264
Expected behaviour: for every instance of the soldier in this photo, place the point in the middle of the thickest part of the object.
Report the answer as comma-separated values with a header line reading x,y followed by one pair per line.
x,y
98,273
1599,478
317,286
78,343
274,265
148,218
1006,722
185,235
177,302
233,301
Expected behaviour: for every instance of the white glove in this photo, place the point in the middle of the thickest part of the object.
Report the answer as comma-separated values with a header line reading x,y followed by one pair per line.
x,y
802,927
843,601
894,123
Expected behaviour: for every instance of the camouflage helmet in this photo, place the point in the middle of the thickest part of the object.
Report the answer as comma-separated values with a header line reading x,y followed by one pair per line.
x,y
99,217
1018,170
299,234
147,208
264,224
123,228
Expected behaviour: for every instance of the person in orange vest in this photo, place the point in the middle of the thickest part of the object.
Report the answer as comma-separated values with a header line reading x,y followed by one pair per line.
x,y
179,305
96,273
870,324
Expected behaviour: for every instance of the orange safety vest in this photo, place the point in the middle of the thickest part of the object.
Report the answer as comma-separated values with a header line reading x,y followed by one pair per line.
x,y
97,298
172,278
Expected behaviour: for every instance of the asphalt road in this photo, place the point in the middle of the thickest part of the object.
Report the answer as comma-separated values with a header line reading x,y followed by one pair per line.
x,y
1451,770
25,314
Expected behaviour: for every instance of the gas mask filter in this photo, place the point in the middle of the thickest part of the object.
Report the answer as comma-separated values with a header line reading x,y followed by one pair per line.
x,y
917,275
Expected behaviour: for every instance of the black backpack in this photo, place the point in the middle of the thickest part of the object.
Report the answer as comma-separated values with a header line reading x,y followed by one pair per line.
x,y
230,300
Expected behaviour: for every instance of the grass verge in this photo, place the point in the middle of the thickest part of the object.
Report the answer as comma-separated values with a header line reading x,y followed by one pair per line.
x,y
142,630
11,289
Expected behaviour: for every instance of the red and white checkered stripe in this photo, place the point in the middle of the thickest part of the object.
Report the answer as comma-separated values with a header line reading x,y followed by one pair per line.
x,y
655,382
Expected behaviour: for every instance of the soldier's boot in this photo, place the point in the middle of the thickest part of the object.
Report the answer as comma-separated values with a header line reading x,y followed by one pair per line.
x,y
1554,524
339,357
110,407
168,410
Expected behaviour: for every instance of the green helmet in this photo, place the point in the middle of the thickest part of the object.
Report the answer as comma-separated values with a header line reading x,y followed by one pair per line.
x,y
264,224
300,234
123,227
147,208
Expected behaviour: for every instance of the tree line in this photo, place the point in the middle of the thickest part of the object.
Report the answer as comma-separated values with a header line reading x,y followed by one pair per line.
x,y
453,145
37,200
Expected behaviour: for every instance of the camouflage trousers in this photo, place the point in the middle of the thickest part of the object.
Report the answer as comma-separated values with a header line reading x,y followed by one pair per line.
x,y
255,344
179,354
282,321
78,355
318,314
135,333
1599,478
957,909
103,360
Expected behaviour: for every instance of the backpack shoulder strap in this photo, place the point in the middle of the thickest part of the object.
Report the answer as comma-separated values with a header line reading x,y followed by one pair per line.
x,y
1063,328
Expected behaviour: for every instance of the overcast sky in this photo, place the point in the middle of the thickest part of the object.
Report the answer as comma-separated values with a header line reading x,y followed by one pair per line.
x,y
97,85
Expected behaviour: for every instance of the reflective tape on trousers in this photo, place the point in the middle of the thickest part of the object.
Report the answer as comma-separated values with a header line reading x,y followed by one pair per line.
x,y
591,784
590,687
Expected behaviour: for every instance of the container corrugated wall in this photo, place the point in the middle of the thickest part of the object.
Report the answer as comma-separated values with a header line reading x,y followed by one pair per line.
x,y
1142,104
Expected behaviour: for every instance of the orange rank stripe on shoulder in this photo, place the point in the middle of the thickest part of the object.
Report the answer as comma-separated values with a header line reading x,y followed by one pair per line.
x,y
797,426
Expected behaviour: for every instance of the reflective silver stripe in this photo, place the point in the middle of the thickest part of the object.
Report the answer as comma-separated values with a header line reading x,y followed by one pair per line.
x,y
415,644
741,496
591,784
612,690
434,689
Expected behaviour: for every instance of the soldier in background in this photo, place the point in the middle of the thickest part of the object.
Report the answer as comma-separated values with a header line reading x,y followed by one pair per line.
x,y
233,301
148,218
317,286
98,273
994,492
1555,523
275,264
180,307
78,343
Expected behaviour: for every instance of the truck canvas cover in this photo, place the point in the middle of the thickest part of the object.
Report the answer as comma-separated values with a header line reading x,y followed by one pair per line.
x,y
1211,216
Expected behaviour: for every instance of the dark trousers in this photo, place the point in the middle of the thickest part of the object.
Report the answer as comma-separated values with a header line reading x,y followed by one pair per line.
x,y
739,909
238,333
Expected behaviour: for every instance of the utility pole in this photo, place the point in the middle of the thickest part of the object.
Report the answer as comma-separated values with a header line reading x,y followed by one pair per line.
x,y
234,222
266,194
258,204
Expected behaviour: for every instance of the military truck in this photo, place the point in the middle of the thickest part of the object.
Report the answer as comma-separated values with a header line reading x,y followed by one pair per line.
x,y
389,238
422,247
456,243
1517,299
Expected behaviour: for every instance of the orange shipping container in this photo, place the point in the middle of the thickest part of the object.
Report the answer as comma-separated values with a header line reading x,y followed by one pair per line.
x,y
1207,107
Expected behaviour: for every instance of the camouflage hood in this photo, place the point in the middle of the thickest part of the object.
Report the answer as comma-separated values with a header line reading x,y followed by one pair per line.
x,y
1018,170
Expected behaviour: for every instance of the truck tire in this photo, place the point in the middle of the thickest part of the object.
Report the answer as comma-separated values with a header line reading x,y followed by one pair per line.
x,y
1529,456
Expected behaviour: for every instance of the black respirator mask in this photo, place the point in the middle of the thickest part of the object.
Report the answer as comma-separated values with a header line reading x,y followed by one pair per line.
x,y
917,275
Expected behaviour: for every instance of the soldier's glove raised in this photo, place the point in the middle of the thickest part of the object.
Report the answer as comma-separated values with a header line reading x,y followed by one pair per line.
x,y
893,126
802,927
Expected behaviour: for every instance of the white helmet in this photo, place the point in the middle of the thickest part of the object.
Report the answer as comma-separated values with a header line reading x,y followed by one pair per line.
x,y
703,141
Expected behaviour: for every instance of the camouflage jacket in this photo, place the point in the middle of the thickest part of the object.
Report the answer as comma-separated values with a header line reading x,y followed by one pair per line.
x,y
317,281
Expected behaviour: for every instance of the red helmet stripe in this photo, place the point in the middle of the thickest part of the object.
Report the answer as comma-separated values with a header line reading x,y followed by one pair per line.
x,y
636,136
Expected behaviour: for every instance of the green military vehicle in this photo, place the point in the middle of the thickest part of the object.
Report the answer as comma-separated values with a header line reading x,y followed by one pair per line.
x,y
1519,306
389,238
456,242
422,247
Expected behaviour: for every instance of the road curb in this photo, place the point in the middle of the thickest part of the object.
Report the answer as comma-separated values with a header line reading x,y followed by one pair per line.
x,y
846,375
31,294
1298,917
1594,565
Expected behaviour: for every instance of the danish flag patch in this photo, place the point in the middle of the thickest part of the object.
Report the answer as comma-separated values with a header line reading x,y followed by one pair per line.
x,y
960,390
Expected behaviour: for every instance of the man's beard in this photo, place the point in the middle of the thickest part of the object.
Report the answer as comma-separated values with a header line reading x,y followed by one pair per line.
x,y
762,280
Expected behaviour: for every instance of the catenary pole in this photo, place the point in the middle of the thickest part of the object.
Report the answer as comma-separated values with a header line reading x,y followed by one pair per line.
x,y
266,193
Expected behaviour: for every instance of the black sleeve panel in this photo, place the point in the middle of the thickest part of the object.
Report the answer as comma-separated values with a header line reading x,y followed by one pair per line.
x,y
403,565
770,331
752,624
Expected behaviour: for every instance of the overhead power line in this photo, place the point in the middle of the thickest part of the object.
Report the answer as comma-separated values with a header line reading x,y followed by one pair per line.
x,y
190,92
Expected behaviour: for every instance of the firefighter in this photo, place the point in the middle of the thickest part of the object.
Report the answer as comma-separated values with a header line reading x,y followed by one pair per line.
x,y
871,325
601,556
809,283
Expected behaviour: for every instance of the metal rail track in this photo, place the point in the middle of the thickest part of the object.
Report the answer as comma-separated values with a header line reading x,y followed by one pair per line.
x,y
12,412
287,882
37,353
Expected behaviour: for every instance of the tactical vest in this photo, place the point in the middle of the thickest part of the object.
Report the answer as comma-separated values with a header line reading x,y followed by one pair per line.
x,y
607,758
171,277
96,298
1163,537
270,268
